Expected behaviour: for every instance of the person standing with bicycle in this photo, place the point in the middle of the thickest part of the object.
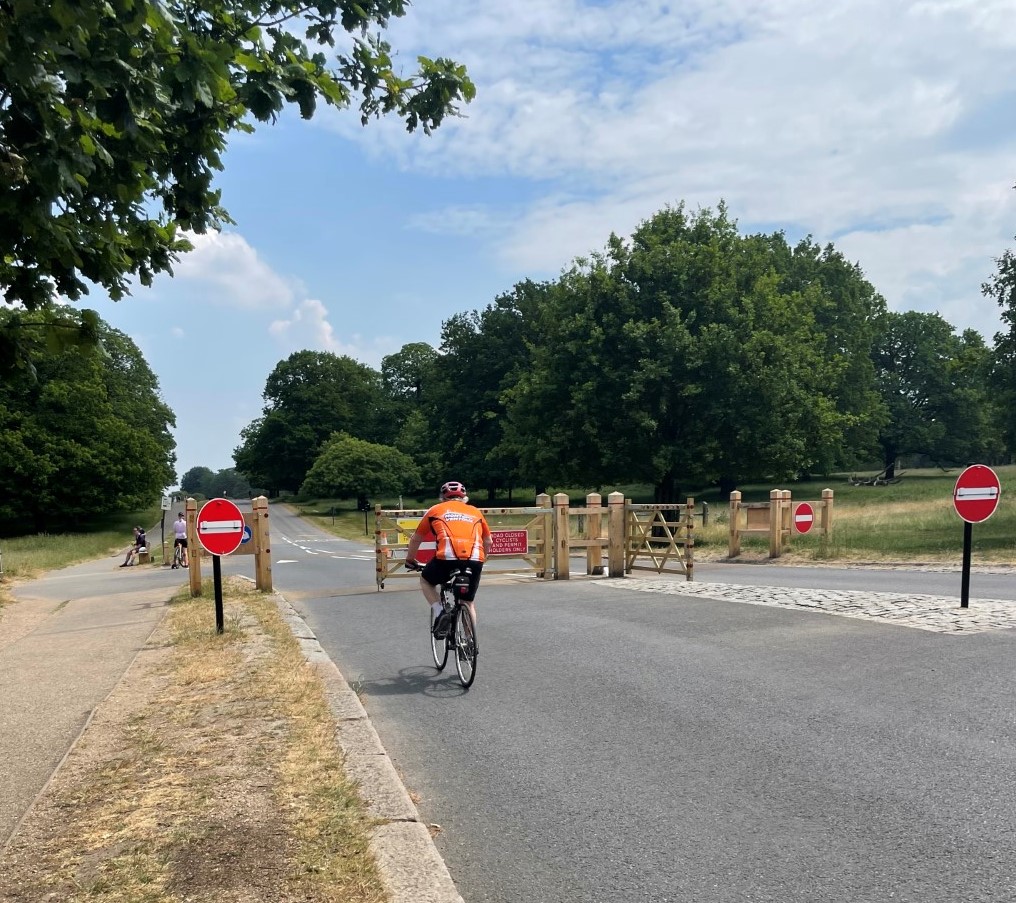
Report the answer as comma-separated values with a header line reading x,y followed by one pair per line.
x,y
180,539
463,538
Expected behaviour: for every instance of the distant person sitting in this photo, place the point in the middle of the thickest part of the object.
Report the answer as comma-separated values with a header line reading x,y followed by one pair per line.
x,y
140,542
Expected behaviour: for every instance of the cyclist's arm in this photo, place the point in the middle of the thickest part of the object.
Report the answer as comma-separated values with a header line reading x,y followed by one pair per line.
x,y
488,539
411,550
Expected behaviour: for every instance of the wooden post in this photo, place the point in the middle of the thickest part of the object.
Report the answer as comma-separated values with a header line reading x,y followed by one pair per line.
x,y
194,549
775,522
546,555
689,538
262,545
594,553
734,543
615,534
562,567
827,514
786,519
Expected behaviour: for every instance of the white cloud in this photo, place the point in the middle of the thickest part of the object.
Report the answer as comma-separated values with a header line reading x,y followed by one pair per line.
x,y
235,273
308,328
883,127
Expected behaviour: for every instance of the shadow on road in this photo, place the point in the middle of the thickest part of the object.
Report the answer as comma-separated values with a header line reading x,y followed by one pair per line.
x,y
418,680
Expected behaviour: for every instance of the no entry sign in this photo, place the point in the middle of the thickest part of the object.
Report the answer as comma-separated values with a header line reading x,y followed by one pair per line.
x,y
220,527
804,517
977,493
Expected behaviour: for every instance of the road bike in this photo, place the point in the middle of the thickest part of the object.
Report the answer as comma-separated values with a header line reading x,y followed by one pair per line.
x,y
177,556
460,638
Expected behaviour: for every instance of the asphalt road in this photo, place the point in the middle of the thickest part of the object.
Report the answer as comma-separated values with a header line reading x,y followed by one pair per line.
x,y
632,746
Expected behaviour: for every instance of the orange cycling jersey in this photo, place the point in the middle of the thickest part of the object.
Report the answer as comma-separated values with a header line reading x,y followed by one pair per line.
x,y
458,528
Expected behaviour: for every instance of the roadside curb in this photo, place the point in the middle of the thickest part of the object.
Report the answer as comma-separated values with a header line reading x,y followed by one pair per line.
x,y
410,865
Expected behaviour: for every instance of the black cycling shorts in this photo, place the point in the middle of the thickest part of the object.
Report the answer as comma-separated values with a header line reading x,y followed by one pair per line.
x,y
437,570
180,541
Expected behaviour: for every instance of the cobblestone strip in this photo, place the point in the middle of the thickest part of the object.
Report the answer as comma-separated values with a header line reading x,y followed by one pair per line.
x,y
936,613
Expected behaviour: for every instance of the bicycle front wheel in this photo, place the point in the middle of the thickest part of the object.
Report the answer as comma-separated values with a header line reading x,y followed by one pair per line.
x,y
466,648
438,647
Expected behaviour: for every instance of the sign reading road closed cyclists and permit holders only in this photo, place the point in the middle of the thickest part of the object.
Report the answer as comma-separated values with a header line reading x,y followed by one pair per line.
x,y
975,498
509,542
220,530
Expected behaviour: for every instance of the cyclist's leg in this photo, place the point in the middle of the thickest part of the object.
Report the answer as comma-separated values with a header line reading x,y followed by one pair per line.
x,y
434,573
475,570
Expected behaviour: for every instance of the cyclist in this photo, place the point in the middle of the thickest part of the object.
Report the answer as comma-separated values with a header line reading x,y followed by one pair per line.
x,y
462,535
180,539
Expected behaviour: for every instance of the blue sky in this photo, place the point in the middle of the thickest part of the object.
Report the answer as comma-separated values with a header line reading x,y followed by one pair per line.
x,y
886,128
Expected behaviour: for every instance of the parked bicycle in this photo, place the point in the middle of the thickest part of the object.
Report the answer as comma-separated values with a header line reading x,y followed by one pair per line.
x,y
459,636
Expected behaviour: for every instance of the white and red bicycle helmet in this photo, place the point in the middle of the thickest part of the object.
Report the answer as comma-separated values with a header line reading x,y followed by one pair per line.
x,y
453,490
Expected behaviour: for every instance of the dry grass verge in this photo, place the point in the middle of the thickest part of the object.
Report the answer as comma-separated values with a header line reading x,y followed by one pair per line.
x,y
210,774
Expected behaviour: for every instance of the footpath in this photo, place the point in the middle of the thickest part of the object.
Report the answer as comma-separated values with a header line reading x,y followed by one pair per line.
x,y
73,635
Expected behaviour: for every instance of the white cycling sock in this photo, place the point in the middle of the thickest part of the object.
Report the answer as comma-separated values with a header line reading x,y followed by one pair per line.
x,y
436,608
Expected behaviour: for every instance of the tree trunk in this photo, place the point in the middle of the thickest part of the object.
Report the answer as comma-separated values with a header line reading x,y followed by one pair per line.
x,y
664,492
666,489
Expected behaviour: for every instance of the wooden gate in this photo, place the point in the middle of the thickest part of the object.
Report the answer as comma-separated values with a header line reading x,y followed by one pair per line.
x,y
656,541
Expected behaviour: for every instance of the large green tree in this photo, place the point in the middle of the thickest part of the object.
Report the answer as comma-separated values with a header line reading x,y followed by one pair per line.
x,y
348,467
407,379
309,396
85,434
934,384
1001,288
681,354
484,354
114,116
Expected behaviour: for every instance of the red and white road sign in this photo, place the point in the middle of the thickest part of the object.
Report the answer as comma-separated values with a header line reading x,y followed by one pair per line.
x,y
427,548
804,517
977,493
220,527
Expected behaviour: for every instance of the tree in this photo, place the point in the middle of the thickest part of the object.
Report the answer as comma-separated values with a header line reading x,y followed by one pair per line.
x,y
934,385
309,396
114,116
348,467
681,354
407,378
1001,287
225,483
197,481
88,433
483,356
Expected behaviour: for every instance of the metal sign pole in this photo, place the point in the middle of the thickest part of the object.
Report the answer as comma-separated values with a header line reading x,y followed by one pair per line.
x,y
217,580
968,530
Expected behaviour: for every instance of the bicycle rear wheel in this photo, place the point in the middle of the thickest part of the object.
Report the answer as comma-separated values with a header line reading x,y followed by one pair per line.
x,y
466,648
438,647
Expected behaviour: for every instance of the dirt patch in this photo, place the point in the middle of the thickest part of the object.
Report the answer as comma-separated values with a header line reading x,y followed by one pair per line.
x,y
209,774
